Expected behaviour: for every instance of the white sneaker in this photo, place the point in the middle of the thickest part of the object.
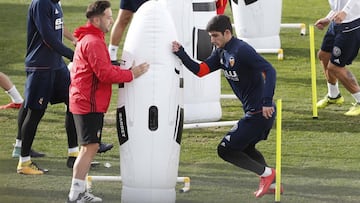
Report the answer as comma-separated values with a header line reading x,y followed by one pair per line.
x,y
85,197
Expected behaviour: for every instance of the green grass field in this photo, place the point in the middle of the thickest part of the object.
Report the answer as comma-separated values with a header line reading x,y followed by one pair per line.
x,y
320,159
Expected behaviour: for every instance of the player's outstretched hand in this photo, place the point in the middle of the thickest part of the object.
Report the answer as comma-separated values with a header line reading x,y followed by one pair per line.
x,y
138,70
175,46
322,23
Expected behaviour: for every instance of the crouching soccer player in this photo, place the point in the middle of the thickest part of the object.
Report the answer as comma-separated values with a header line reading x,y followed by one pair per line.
x,y
253,80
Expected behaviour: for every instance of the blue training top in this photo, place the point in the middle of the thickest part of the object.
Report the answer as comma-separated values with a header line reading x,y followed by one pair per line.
x,y
250,76
45,47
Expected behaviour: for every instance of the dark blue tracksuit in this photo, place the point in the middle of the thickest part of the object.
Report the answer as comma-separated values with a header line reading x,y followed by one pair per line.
x,y
48,78
252,79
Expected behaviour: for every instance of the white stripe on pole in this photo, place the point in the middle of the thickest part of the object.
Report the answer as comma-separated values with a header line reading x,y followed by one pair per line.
x,y
90,179
228,96
209,124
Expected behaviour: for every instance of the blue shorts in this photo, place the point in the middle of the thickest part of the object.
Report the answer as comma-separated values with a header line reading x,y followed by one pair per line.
x,y
131,5
249,130
89,127
46,86
343,41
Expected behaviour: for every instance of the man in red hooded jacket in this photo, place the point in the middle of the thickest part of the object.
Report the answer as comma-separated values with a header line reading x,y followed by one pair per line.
x,y
92,76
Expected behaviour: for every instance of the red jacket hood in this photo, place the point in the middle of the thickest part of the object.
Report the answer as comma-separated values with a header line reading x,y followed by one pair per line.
x,y
89,28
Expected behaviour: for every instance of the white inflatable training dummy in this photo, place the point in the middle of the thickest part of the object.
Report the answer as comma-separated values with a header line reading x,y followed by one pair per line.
x,y
201,95
258,22
150,109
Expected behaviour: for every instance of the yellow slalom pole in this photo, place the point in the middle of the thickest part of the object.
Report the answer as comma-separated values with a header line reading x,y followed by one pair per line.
x,y
278,150
313,71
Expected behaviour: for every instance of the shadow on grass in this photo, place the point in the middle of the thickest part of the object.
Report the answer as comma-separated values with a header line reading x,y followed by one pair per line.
x,y
321,184
328,121
301,184
210,182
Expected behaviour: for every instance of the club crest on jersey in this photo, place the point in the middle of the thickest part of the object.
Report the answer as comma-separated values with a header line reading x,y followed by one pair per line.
x,y
232,61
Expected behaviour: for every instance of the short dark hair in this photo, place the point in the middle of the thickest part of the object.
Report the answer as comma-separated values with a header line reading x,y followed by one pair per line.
x,y
219,23
97,8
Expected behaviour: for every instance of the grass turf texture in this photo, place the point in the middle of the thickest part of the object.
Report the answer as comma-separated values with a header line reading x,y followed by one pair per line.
x,y
320,161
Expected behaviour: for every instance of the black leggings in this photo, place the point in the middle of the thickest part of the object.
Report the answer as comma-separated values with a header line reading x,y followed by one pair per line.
x,y
28,121
250,158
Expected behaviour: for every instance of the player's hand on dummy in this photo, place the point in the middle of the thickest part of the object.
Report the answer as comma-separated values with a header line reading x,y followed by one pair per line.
x,y
138,70
175,46
268,111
